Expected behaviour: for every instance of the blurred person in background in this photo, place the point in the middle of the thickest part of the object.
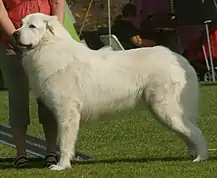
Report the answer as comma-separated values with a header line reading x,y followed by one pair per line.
x,y
126,32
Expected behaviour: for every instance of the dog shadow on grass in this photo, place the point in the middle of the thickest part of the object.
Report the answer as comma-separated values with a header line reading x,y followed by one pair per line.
x,y
6,163
137,160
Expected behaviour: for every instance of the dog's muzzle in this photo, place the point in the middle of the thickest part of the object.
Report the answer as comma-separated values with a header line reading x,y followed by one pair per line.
x,y
16,36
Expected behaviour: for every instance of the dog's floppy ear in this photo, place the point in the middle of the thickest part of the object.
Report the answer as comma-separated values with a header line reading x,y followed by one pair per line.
x,y
50,23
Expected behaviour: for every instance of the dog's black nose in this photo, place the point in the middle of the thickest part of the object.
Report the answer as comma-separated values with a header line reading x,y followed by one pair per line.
x,y
16,34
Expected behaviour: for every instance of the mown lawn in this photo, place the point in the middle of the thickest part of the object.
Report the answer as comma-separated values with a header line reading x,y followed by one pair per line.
x,y
130,145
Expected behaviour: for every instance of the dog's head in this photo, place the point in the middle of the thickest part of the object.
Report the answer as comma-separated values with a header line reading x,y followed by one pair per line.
x,y
33,28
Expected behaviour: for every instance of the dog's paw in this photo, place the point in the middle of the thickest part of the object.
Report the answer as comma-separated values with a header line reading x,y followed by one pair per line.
x,y
200,158
57,167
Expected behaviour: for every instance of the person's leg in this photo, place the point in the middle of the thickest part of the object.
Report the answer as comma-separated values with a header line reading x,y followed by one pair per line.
x,y
47,119
18,93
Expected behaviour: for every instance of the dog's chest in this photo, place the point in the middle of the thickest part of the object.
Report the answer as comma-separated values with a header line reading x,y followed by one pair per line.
x,y
40,70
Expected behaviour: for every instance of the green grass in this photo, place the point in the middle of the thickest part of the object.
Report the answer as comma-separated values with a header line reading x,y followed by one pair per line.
x,y
132,145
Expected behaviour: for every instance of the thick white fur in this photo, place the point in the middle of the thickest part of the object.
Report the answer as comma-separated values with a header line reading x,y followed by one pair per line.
x,y
77,83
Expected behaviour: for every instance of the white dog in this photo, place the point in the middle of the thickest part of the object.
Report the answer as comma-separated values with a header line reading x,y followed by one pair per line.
x,y
78,83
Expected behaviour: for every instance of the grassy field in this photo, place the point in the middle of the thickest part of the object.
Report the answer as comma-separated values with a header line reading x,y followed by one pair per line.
x,y
131,145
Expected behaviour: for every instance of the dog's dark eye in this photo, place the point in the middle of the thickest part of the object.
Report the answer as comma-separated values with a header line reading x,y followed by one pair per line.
x,y
32,26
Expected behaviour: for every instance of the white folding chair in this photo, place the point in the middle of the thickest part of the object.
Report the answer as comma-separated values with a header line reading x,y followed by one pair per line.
x,y
115,44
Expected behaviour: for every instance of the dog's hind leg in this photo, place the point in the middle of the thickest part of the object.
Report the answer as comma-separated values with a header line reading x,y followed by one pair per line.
x,y
68,123
175,119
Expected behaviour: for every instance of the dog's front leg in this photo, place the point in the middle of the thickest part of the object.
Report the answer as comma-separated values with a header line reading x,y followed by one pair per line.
x,y
68,123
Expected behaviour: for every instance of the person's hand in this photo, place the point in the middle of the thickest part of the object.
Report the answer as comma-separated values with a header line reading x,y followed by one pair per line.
x,y
141,42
